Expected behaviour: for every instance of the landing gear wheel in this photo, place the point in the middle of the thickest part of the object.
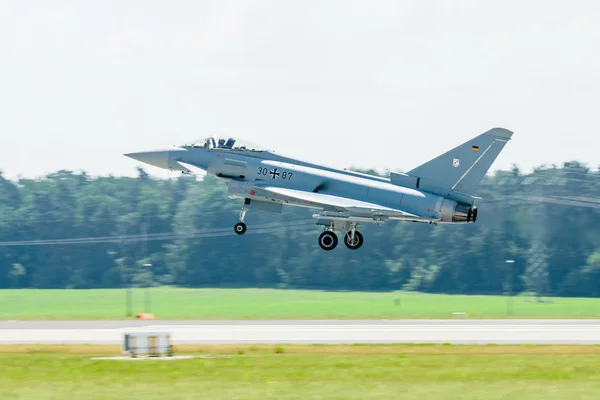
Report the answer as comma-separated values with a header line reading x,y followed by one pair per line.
x,y
328,240
353,244
240,228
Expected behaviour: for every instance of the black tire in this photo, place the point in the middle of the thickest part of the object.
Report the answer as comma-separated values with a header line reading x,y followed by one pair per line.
x,y
328,240
240,228
358,240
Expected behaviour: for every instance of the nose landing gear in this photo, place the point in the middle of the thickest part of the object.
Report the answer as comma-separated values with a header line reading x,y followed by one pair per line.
x,y
240,227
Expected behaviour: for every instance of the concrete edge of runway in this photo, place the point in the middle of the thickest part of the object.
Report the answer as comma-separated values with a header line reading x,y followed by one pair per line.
x,y
540,332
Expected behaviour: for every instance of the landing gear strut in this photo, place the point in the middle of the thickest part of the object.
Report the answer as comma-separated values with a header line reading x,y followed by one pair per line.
x,y
240,227
353,239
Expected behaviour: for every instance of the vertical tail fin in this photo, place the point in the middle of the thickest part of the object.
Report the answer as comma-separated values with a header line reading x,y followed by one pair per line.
x,y
462,168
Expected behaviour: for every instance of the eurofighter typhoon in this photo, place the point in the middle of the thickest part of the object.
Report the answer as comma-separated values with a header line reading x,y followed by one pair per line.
x,y
437,192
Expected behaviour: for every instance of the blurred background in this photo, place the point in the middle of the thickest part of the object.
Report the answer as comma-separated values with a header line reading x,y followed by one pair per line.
x,y
377,87
70,230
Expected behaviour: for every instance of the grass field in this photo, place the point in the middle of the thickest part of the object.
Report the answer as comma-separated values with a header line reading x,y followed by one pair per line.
x,y
173,303
300,372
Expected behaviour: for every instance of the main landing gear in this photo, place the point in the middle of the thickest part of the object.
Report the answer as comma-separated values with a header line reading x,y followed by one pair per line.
x,y
240,227
328,241
353,239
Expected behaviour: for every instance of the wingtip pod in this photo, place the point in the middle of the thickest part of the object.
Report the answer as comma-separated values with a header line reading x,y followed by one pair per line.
x,y
500,132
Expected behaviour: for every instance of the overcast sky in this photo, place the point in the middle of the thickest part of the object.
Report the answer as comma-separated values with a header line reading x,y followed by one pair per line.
x,y
383,84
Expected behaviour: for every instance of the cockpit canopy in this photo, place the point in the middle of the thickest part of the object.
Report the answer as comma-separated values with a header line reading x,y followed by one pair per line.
x,y
224,143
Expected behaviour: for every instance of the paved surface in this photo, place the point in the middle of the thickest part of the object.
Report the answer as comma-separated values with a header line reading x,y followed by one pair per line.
x,y
314,332
143,358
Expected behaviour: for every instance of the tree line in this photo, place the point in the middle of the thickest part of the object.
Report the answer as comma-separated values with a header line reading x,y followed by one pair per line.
x,y
71,230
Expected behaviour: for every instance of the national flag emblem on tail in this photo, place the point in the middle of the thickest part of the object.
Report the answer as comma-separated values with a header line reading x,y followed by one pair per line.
x,y
475,148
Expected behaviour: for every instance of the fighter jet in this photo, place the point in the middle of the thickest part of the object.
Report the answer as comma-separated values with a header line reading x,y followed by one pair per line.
x,y
437,192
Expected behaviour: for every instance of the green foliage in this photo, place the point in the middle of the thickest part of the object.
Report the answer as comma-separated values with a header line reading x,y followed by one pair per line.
x,y
324,375
557,207
184,303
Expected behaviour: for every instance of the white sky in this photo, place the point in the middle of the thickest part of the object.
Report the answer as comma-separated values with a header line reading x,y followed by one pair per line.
x,y
345,83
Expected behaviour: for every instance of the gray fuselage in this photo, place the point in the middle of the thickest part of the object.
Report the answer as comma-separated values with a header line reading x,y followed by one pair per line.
x,y
262,168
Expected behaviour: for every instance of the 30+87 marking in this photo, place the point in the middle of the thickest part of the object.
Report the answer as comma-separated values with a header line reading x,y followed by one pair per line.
x,y
274,173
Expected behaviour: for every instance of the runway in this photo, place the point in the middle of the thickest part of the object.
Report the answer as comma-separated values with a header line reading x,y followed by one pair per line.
x,y
309,332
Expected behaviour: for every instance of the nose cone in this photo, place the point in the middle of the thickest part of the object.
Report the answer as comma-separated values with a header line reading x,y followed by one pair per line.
x,y
158,158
